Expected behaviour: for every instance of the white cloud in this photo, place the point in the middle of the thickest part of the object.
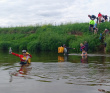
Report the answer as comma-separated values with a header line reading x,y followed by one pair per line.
x,y
30,12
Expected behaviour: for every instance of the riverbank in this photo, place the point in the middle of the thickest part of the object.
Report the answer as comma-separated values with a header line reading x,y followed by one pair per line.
x,y
50,37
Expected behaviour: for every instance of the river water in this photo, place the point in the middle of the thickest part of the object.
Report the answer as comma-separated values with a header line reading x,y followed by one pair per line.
x,y
55,73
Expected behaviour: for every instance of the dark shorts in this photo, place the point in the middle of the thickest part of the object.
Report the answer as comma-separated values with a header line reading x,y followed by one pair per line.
x,y
105,17
94,28
23,63
91,25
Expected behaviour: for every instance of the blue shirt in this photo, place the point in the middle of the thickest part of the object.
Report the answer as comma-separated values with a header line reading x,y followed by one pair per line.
x,y
95,25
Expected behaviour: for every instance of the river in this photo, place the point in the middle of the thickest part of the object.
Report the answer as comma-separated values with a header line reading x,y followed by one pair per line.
x,y
55,73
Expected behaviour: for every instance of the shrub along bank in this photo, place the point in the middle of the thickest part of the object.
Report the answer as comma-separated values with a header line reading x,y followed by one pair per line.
x,y
50,37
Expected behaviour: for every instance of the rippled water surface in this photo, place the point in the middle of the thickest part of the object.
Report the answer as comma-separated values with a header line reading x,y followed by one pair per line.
x,y
54,73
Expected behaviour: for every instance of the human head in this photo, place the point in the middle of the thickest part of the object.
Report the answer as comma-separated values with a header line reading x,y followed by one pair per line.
x,y
105,29
24,52
92,18
81,44
85,42
64,45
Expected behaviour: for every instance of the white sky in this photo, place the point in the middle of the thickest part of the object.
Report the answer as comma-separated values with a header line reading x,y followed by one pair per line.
x,y
31,12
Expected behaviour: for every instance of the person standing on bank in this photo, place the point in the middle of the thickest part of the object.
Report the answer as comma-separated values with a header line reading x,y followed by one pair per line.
x,y
99,17
95,28
91,24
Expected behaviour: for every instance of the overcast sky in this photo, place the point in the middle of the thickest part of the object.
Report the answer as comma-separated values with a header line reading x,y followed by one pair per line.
x,y
31,12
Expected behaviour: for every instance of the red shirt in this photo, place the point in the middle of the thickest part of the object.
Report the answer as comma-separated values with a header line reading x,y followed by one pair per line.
x,y
21,56
99,15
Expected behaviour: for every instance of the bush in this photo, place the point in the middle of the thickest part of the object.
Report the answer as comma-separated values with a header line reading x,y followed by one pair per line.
x,y
49,37
5,45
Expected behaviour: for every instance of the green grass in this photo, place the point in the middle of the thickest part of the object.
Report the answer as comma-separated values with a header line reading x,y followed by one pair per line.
x,y
49,37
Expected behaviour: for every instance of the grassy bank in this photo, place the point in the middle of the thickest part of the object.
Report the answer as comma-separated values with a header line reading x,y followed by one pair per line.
x,y
49,37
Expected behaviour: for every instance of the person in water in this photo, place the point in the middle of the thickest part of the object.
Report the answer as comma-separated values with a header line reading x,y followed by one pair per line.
x,y
84,53
24,58
81,46
66,49
86,46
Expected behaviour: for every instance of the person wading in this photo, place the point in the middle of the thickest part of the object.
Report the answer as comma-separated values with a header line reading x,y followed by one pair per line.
x,y
24,58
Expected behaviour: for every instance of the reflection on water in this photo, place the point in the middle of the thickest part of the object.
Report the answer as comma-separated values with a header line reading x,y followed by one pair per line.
x,y
22,72
62,58
90,73
103,91
84,59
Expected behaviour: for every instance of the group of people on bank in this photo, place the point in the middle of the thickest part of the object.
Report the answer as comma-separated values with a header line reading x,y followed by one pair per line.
x,y
93,24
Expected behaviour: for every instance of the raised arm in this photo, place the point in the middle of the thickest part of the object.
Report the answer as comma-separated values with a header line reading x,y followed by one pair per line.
x,y
15,54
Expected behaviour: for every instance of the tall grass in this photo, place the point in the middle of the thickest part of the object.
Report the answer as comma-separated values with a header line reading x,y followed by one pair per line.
x,y
49,37
93,42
